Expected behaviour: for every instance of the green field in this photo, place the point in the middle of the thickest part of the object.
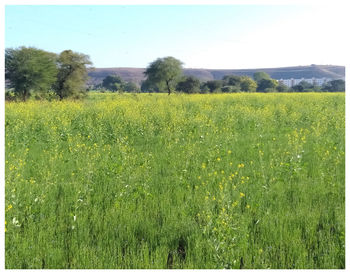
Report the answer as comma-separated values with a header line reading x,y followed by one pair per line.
x,y
180,181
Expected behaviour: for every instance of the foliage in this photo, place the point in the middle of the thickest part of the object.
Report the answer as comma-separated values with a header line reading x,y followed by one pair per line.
x,y
232,80
334,85
267,85
165,70
282,87
29,69
191,181
260,75
72,74
189,84
227,89
302,86
130,87
112,82
248,84
148,86
214,85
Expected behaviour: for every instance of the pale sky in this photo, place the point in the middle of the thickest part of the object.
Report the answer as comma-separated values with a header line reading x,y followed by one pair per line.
x,y
201,36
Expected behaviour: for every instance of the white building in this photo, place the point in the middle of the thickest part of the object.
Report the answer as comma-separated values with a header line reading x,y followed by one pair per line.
x,y
314,81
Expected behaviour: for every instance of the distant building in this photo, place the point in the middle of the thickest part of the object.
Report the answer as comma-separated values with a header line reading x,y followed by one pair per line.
x,y
314,81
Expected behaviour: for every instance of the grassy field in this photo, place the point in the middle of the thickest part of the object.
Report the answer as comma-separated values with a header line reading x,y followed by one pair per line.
x,y
180,181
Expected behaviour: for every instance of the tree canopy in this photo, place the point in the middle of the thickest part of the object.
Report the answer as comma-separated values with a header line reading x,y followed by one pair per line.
x,y
334,85
30,69
72,74
259,75
112,82
164,70
189,84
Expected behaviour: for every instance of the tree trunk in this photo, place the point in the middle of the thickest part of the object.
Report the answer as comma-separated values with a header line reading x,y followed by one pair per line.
x,y
167,84
24,96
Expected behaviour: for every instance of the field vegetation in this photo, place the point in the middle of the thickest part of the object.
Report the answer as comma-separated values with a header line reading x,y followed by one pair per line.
x,y
180,181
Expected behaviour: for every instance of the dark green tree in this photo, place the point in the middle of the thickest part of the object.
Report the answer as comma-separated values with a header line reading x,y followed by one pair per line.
x,y
72,75
214,85
29,69
265,85
334,85
164,70
189,84
232,80
302,87
112,82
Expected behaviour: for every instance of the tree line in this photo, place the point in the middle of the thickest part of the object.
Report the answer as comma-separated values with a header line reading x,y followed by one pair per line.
x,y
46,75
166,75
31,71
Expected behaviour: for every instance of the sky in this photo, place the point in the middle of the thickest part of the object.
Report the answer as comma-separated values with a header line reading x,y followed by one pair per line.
x,y
201,36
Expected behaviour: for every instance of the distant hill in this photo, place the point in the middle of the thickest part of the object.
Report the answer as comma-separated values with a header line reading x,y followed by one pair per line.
x,y
136,74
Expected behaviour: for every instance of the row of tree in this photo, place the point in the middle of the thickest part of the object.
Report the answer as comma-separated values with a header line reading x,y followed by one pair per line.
x,y
115,83
28,70
166,74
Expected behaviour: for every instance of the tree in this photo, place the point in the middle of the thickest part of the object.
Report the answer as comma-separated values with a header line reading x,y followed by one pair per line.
x,y
227,89
189,84
164,70
302,86
259,75
265,85
148,86
214,85
248,84
281,87
72,74
30,69
231,80
112,82
130,87
334,85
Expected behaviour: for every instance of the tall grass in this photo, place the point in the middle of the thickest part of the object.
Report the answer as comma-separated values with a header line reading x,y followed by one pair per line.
x,y
181,181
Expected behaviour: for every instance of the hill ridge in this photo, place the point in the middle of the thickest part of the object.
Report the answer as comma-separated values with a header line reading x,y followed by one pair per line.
x,y
136,74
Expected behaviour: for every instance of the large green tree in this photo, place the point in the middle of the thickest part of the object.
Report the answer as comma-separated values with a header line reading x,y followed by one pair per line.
x,y
28,69
164,70
73,74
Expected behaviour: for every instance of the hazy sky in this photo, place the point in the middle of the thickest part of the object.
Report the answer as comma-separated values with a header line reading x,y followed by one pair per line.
x,y
200,36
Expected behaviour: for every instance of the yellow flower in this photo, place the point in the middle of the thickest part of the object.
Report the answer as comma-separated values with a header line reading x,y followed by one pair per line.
x,y
248,206
229,152
241,194
218,159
